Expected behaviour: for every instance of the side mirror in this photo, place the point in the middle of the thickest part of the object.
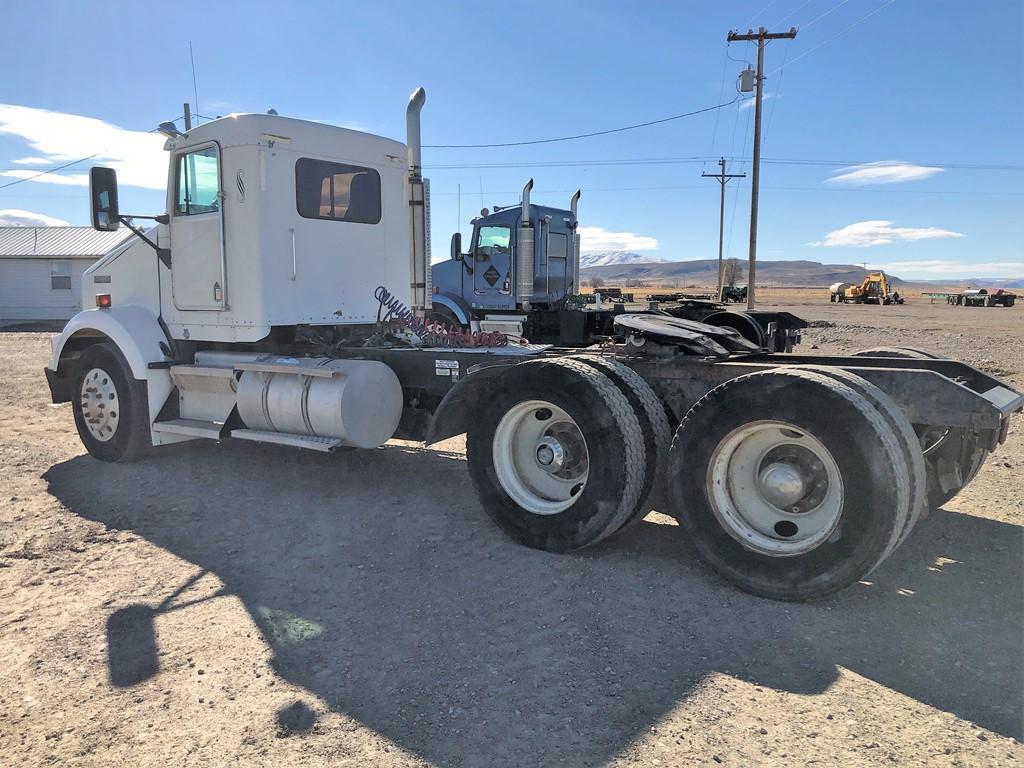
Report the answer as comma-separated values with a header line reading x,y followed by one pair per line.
x,y
103,198
457,247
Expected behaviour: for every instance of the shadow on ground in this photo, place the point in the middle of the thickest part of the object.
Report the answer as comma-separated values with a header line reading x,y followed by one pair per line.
x,y
383,589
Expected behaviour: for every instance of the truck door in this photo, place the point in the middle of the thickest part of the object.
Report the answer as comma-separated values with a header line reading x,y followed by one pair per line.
x,y
197,231
492,260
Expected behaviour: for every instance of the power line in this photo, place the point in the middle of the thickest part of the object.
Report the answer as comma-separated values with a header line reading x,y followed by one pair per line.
x,y
706,158
61,167
763,10
820,16
778,88
792,13
841,32
50,170
582,135
785,188
721,94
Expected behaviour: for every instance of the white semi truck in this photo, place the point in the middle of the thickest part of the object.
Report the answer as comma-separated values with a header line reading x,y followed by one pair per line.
x,y
281,299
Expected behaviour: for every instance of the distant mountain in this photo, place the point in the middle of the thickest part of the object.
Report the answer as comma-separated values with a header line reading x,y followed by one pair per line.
x,y
704,272
613,258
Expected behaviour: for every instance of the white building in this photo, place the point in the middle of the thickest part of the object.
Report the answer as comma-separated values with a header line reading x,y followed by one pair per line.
x,y
41,269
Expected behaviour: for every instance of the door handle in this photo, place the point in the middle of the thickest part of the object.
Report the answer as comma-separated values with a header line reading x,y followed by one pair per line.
x,y
294,264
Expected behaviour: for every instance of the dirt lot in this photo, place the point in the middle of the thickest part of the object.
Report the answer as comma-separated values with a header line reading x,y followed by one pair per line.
x,y
251,605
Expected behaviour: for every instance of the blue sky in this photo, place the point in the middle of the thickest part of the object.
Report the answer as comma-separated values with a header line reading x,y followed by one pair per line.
x,y
929,86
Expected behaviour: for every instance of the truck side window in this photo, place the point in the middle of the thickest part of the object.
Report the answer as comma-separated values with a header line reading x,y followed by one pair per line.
x,y
338,192
197,183
492,240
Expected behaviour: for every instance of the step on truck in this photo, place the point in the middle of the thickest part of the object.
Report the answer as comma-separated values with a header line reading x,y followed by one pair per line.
x,y
284,298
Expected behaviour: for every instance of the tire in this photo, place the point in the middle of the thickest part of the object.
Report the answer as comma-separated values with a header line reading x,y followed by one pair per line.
x,y
444,316
952,459
653,422
953,462
583,404
909,443
860,510
105,378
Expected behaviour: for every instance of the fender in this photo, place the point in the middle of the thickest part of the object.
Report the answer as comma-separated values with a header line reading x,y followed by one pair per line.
x,y
135,331
459,405
455,304
133,328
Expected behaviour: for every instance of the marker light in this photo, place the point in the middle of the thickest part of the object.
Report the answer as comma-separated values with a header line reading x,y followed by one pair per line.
x,y
103,300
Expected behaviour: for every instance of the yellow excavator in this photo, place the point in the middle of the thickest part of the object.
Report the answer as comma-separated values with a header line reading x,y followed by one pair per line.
x,y
874,289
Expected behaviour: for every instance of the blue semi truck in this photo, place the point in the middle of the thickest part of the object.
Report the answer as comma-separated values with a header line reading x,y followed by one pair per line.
x,y
521,266
521,275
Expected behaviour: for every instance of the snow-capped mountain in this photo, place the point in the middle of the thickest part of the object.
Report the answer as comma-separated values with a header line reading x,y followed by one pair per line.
x,y
616,258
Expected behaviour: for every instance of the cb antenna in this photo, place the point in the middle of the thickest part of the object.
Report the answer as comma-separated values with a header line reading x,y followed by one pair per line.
x,y
195,88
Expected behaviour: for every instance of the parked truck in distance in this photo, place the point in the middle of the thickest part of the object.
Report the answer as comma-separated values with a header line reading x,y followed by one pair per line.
x,y
521,275
285,297
981,297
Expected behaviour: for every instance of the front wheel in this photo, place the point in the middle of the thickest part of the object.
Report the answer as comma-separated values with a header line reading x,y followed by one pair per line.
x,y
110,406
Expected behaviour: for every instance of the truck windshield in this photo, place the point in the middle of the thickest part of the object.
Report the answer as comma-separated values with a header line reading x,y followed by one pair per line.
x,y
493,240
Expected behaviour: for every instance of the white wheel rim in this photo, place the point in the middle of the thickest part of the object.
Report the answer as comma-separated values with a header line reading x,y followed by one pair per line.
x,y
540,457
775,488
101,409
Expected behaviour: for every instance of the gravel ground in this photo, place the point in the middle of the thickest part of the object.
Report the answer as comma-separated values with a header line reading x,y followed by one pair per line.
x,y
254,605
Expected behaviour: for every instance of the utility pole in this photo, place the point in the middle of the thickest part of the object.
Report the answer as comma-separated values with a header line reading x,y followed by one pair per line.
x,y
723,179
761,36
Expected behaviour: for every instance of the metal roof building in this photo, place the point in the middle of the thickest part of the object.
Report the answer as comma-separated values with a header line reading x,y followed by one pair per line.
x,y
41,269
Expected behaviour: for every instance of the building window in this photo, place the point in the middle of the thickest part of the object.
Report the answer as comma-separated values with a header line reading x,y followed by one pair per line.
x,y
197,183
60,275
337,192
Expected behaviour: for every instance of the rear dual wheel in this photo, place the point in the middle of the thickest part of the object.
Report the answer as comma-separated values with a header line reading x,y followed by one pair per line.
x,y
558,458
654,425
806,487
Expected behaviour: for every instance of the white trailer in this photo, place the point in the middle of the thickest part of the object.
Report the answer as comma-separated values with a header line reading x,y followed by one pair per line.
x,y
281,299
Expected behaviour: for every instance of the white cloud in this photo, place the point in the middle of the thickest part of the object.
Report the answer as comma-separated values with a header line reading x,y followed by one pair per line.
x,y
944,267
600,239
882,172
58,137
750,101
864,234
15,217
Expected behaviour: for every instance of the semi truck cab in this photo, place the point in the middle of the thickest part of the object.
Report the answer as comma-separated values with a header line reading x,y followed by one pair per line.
x,y
520,258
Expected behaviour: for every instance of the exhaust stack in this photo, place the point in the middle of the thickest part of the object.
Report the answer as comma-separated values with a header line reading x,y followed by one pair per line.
x,y
574,277
419,208
524,256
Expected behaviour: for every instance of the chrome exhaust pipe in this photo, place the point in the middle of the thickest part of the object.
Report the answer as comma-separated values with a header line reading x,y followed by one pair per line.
x,y
524,257
419,208
412,131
